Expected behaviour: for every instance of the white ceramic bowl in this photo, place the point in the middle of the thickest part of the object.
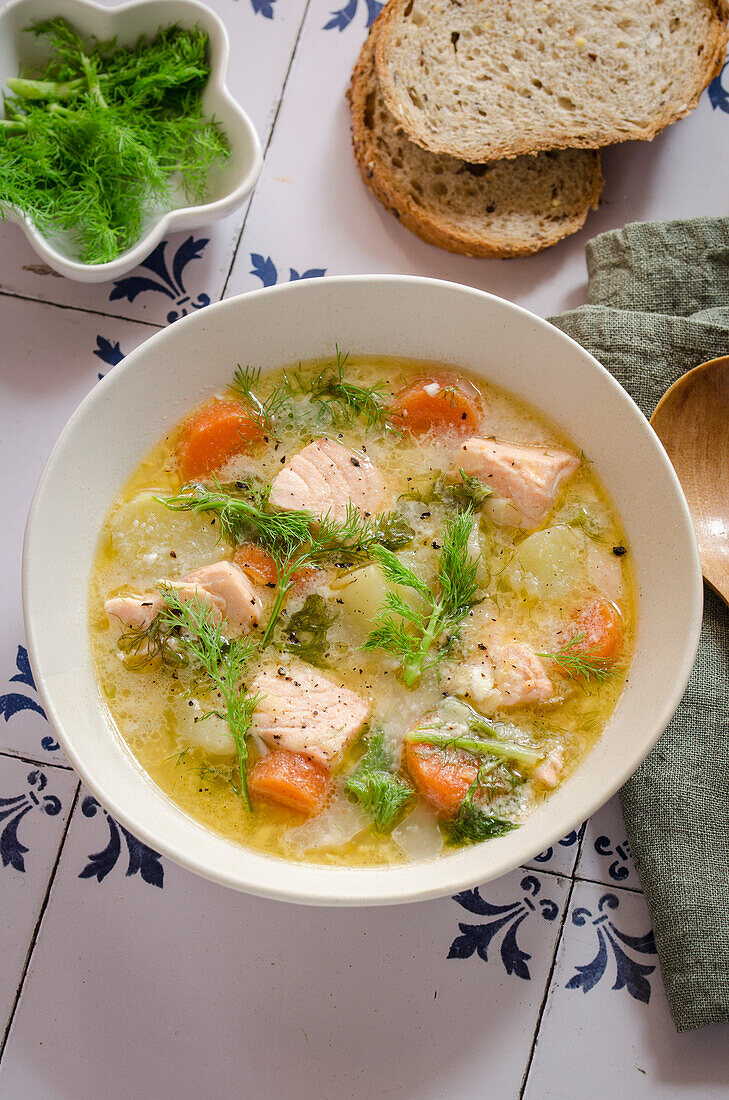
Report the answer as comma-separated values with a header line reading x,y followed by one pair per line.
x,y
127,412
228,183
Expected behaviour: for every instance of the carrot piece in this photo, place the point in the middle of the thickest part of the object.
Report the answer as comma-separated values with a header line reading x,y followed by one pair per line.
x,y
261,568
291,780
439,402
257,563
214,434
601,622
443,776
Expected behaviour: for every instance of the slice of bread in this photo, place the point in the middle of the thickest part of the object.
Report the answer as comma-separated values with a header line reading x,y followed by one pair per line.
x,y
486,79
508,208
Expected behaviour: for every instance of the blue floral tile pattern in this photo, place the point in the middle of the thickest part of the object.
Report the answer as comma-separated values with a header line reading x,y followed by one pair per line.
x,y
169,279
631,974
263,7
265,269
618,854
718,94
11,703
15,702
342,17
506,919
14,809
108,352
561,857
605,852
142,860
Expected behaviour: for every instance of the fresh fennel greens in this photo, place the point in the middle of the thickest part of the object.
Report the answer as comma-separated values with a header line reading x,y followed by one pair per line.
x,y
393,531
330,399
468,493
90,143
580,664
223,662
478,746
409,633
294,539
471,825
379,792
305,633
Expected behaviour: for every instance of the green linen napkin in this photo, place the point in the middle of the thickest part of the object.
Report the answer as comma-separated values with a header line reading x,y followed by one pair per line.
x,y
658,298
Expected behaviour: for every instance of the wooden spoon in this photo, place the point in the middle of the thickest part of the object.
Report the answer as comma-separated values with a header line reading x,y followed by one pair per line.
x,y
692,422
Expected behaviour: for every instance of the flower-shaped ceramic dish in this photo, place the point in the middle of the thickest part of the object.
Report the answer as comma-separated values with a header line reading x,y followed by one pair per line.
x,y
400,316
228,183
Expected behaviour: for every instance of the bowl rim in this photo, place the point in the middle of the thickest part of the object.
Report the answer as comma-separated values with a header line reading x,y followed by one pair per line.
x,y
182,217
339,887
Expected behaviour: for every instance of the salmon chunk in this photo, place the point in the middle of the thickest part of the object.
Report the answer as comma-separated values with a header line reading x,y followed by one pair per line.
x,y
530,476
305,713
520,675
133,611
507,675
223,586
326,478
549,772
226,587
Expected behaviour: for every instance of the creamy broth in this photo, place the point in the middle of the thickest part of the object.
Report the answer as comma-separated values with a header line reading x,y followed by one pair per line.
x,y
534,581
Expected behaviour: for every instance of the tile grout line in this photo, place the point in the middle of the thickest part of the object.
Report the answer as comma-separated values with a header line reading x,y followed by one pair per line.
x,y
10,755
550,975
610,885
265,151
36,930
78,309
581,878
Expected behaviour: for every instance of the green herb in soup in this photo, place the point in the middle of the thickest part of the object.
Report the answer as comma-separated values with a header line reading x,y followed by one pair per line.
x,y
362,611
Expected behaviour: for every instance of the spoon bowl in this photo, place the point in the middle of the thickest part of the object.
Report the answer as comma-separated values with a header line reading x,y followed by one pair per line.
x,y
692,422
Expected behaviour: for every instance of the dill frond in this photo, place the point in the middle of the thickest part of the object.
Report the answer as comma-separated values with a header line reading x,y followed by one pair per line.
x,y
580,664
407,633
224,662
336,401
379,792
245,384
91,142
293,539
471,825
340,401
245,517
329,542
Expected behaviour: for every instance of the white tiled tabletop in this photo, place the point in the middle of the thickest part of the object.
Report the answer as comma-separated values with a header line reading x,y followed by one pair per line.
x,y
125,976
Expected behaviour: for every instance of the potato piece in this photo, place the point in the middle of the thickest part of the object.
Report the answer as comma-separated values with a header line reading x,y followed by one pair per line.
x,y
552,562
194,730
363,591
148,541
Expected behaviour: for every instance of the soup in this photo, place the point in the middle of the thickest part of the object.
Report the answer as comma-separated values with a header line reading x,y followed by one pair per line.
x,y
361,611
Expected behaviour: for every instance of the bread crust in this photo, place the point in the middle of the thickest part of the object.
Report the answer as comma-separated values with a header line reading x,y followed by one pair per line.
x,y
515,141
434,226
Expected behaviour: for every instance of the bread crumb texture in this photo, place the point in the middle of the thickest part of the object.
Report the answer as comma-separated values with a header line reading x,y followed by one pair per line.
x,y
506,208
487,79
